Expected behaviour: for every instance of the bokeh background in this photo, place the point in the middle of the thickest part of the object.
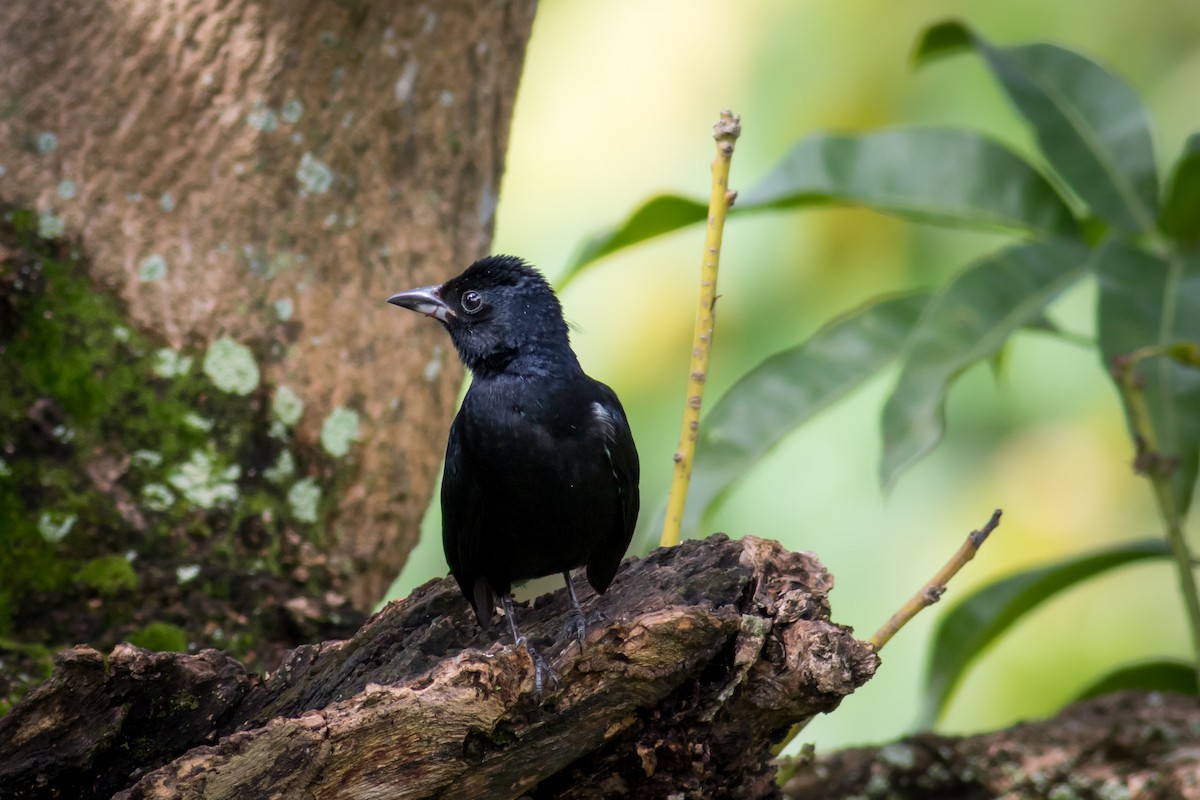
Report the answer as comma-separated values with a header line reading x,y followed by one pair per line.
x,y
616,105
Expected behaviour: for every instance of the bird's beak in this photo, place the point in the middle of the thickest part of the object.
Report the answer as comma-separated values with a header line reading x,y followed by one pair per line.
x,y
425,300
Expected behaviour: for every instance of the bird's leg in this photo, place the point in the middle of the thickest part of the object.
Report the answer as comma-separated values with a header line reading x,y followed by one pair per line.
x,y
577,622
541,670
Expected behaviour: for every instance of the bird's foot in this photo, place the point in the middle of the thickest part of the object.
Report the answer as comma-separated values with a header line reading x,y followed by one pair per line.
x,y
577,625
542,671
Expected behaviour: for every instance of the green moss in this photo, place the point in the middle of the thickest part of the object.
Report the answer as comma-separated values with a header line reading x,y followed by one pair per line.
x,y
162,637
26,665
108,575
124,458
184,701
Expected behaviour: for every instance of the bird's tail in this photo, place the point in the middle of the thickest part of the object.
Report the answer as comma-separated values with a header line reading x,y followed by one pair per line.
x,y
485,603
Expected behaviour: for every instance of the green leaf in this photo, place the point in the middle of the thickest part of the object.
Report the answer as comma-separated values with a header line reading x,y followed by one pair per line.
x,y
788,389
968,320
944,176
1151,676
1181,209
1089,123
941,39
979,619
1150,301
947,177
655,217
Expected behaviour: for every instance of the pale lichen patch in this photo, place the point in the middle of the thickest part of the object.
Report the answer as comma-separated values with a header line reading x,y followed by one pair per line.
x,y
283,309
292,111
283,468
157,497
169,364
303,499
204,485
262,119
287,405
50,225
152,268
339,431
54,527
314,176
46,142
231,366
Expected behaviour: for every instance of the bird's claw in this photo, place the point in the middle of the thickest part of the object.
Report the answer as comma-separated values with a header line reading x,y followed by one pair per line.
x,y
541,670
577,625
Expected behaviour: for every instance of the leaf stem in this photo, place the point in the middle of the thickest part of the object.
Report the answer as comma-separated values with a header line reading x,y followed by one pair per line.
x,y
726,132
1157,467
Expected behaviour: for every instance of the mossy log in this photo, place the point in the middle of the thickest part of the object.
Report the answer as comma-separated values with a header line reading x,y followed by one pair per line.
x,y
706,654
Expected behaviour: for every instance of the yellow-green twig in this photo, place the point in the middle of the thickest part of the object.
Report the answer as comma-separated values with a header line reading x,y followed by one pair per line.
x,y
726,132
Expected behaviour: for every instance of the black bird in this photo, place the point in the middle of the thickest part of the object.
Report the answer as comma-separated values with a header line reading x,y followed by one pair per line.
x,y
541,471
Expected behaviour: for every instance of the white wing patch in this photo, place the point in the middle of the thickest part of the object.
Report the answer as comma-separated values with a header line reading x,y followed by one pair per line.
x,y
605,418
609,427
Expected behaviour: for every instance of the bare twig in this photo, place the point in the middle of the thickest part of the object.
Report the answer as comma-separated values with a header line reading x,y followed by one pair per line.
x,y
726,132
932,591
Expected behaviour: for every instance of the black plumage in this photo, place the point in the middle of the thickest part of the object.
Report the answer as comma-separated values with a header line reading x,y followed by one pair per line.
x,y
541,471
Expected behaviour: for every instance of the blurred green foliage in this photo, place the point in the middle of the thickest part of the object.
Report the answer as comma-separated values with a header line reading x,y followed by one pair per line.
x,y
1048,447
1094,137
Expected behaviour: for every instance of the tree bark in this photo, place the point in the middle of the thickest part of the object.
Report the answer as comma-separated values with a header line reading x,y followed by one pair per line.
x,y
1143,745
206,205
709,652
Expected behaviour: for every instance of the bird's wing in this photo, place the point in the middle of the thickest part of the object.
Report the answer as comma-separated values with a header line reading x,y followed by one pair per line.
x,y
623,459
462,526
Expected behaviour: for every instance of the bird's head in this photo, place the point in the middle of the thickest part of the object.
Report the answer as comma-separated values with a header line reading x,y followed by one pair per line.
x,y
498,310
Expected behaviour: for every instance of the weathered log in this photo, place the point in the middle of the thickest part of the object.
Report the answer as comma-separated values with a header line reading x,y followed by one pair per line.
x,y
1143,745
706,654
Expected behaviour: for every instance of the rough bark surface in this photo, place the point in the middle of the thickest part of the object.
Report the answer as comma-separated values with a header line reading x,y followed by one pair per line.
x,y
272,170
1126,745
707,653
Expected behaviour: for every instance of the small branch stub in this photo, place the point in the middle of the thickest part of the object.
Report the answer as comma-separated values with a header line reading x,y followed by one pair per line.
x,y
928,594
932,591
726,132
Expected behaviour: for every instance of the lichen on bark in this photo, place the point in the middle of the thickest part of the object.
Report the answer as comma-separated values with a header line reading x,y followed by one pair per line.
x,y
139,483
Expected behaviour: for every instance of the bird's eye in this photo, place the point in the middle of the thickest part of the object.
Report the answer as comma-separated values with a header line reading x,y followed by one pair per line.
x,y
472,301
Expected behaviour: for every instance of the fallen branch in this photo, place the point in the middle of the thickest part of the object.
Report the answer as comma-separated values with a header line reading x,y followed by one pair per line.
x,y
1130,744
710,651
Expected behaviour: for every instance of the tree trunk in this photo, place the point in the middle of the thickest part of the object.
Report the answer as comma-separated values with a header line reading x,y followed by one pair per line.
x,y
708,653
218,433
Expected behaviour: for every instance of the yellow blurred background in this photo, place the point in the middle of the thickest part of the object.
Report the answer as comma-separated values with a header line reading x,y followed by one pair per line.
x,y
616,105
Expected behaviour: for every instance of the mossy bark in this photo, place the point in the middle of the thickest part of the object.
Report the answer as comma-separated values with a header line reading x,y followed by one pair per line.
x,y
216,433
